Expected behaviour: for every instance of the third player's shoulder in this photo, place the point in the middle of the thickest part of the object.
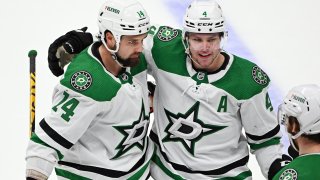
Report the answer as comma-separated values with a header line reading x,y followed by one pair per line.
x,y
87,76
302,167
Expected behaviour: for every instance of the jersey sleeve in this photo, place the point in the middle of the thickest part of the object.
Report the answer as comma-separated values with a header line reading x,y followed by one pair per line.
x,y
262,129
71,115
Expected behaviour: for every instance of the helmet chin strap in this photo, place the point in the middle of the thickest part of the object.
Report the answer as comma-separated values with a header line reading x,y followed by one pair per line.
x,y
113,52
291,139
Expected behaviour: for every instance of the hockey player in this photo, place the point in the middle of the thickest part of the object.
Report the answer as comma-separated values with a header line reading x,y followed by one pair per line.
x,y
100,115
204,98
300,113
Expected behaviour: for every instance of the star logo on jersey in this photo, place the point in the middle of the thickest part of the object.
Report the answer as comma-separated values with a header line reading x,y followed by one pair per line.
x,y
259,75
81,80
187,128
167,33
289,174
134,134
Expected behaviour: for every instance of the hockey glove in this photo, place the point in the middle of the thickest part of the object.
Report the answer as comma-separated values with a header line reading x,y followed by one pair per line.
x,y
151,89
292,152
277,165
61,50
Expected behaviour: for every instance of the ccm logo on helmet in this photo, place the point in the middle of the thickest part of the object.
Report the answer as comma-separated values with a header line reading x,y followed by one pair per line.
x,y
205,24
143,24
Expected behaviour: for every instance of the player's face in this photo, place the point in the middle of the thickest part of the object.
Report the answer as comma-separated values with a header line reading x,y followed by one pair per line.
x,y
130,49
204,48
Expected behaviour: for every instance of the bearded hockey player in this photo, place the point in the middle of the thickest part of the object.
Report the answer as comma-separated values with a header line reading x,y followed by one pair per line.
x,y
300,113
98,124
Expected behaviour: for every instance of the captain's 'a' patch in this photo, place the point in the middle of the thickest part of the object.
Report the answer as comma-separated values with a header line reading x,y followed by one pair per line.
x,y
167,33
81,80
259,76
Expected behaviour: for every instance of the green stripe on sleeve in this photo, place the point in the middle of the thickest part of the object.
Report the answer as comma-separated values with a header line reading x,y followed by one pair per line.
x,y
36,139
69,175
270,142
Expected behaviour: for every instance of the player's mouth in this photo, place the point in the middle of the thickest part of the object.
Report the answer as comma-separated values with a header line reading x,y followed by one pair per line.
x,y
204,55
135,56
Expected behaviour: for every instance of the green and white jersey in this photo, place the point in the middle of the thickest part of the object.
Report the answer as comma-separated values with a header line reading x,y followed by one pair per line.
x,y
199,117
305,167
98,124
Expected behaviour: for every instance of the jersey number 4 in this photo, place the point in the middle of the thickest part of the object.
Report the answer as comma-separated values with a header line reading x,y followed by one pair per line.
x,y
67,106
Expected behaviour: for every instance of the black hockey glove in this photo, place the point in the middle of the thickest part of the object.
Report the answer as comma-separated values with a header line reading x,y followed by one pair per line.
x,y
277,165
72,42
292,152
151,89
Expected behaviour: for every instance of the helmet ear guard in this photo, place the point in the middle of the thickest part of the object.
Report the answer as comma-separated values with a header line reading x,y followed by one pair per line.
x,y
303,103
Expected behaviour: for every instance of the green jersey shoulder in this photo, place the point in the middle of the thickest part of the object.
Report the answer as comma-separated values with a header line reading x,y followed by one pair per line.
x,y
87,76
167,49
243,79
303,167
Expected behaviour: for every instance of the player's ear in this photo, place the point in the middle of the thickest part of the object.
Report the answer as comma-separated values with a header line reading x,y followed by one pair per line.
x,y
293,126
110,40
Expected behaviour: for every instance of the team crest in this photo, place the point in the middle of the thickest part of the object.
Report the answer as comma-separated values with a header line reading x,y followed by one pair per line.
x,y
289,174
81,80
259,76
167,33
201,75
124,77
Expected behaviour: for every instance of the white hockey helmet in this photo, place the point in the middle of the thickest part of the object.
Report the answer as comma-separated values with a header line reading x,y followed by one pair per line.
x,y
303,103
204,16
122,17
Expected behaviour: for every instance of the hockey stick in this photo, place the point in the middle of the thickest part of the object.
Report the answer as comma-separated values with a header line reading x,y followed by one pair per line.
x,y
32,56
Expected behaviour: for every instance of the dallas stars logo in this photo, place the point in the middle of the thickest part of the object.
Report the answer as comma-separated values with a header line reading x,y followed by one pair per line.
x,y
81,80
187,128
167,33
289,174
134,134
259,75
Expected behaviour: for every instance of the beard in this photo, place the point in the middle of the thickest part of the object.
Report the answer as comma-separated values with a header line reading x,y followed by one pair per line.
x,y
128,62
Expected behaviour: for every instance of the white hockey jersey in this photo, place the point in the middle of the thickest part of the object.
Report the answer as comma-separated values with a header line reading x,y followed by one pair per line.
x,y
199,117
98,124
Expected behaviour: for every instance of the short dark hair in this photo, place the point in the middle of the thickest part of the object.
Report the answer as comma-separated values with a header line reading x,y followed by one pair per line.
x,y
312,137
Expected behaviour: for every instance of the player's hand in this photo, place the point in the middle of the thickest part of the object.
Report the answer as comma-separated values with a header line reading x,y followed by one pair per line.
x,y
278,164
292,152
35,175
62,49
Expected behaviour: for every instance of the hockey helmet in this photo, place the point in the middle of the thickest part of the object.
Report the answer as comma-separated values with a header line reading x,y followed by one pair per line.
x,y
303,103
125,17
